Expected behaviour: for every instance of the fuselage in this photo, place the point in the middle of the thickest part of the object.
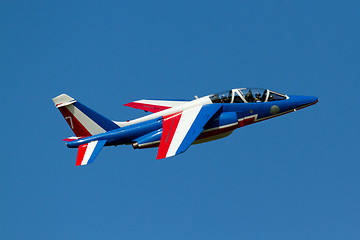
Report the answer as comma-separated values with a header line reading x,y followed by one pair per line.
x,y
236,111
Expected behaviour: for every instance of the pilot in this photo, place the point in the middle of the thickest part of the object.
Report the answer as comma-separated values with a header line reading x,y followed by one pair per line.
x,y
237,99
264,96
257,97
224,99
249,97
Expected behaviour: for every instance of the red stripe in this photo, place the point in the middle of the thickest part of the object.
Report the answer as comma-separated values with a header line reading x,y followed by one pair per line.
x,y
241,123
215,132
70,139
81,154
74,123
146,107
170,124
249,121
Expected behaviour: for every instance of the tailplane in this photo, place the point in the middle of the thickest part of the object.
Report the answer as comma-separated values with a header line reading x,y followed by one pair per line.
x,y
88,152
82,120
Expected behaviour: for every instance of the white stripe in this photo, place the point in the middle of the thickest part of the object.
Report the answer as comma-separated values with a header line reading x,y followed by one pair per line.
x,y
220,127
187,119
251,116
89,150
87,122
161,102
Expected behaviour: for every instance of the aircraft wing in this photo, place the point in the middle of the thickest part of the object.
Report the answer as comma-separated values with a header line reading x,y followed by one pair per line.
x,y
88,152
154,105
181,129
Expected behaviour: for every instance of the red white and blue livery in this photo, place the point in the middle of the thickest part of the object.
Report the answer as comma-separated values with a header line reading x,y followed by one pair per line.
x,y
174,125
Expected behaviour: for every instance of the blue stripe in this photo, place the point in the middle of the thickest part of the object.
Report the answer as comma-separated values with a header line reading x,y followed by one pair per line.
x,y
102,121
100,144
206,112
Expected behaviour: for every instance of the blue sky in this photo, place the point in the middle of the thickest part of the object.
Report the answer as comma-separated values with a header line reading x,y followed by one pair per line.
x,y
293,177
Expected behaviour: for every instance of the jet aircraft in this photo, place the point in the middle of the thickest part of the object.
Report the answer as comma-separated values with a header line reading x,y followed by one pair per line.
x,y
174,125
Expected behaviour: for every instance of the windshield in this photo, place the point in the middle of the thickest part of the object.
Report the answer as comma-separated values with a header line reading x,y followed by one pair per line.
x,y
273,96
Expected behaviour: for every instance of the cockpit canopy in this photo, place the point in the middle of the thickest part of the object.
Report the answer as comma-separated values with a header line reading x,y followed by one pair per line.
x,y
247,95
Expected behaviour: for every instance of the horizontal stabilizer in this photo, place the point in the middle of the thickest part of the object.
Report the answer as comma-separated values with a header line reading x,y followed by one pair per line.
x,y
88,152
69,139
154,105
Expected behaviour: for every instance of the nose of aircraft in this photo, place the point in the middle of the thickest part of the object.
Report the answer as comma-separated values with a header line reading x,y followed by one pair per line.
x,y
303,101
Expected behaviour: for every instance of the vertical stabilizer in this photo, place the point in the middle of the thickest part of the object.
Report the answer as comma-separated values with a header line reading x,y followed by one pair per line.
x,y
82,120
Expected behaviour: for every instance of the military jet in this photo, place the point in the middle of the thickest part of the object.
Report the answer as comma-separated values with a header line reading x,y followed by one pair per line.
x,y
174,125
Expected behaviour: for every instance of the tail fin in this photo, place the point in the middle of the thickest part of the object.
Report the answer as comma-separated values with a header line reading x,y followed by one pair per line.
x,y
82,120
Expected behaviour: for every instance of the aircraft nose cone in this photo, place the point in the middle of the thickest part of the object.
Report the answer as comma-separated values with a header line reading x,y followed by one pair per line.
x,y
311,100
304,101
